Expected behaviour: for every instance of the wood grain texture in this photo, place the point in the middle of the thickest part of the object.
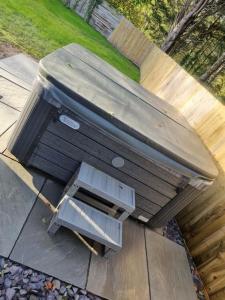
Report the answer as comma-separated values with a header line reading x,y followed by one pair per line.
x,y
130,41
218,296
105,186
104,18
172,208
202,221
105,97
170,275
101,138
88,143
88,221
55,144
18,191
123,276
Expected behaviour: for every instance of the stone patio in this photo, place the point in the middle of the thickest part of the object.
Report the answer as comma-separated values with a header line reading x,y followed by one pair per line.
x,y
134,273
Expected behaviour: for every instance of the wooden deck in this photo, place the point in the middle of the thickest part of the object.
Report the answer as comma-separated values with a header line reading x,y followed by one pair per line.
x,y
148,267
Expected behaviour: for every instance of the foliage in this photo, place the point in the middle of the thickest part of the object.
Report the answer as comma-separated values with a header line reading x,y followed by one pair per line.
x,y
130,9
198,47
39,27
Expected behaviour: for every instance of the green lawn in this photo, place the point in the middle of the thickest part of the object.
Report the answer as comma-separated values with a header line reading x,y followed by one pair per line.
x,y
40,26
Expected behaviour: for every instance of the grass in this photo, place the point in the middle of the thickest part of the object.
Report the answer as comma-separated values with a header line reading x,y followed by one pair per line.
x,y
40,26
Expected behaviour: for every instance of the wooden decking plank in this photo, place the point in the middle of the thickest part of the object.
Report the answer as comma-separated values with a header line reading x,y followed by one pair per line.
x,y
123,276
76,153
101,137
90,222
169,271
94,148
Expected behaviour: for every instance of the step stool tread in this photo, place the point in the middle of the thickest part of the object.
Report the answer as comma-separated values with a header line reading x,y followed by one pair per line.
x,y
90,222
106,187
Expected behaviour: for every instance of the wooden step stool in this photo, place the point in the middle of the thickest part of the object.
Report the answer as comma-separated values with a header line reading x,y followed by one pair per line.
x,y
95,222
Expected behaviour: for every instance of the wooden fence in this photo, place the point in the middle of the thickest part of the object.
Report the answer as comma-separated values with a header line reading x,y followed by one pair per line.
x,y
100,15
131,42
203,221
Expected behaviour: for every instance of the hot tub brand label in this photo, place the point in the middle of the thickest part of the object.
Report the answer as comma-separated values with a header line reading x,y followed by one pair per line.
x,y
69,122
143,219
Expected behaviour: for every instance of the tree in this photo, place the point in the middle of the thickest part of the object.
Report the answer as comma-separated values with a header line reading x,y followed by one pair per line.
x,y
214,70
186,17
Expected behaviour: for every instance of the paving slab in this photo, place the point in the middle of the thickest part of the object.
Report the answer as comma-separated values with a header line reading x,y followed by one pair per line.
x,y
18,192
8,116
169,271
124,276
62,255
21,66
13,78
4,138
13,94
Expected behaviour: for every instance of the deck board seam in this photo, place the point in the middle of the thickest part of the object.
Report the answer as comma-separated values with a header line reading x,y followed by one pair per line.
x,y
28,215
2,102
8,127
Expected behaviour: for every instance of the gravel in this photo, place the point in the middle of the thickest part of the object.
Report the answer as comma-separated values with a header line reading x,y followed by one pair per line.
x,y
22,283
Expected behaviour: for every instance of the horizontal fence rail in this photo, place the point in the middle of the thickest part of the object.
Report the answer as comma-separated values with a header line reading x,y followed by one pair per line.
x,y
203,221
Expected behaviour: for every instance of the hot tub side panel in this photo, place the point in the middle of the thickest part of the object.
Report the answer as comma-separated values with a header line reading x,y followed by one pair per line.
x,y
43,141
32,123
60,150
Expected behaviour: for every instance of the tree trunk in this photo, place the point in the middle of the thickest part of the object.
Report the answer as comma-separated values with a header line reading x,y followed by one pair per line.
x,y
181,24
213,71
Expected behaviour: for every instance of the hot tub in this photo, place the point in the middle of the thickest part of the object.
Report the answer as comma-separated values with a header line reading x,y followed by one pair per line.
x,y
82,109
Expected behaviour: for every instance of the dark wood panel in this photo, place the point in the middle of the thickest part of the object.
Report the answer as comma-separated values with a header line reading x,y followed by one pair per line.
x,y
62,166
93,148
78,154
93,132
57,158
147,205
174,206
140,212
49,167
30,126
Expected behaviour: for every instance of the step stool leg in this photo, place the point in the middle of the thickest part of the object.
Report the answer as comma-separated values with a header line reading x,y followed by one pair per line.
x,y
72,182
53,226
123,216
72,190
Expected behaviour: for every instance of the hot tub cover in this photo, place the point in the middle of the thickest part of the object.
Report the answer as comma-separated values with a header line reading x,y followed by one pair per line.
x,y
130,110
